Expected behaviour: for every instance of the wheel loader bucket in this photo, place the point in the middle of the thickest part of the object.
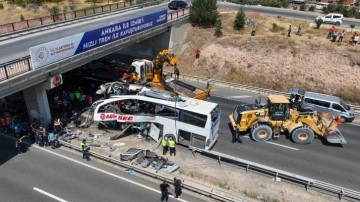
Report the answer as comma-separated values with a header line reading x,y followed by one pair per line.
x,y
333,134
336,137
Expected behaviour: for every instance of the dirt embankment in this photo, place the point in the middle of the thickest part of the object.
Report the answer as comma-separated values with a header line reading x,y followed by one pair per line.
x,y
271,59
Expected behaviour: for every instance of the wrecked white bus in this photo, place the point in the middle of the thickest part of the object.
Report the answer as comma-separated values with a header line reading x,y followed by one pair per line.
x,y
194,123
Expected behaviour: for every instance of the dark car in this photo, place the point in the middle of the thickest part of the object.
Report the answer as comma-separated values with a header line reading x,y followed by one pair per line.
x,y
176,4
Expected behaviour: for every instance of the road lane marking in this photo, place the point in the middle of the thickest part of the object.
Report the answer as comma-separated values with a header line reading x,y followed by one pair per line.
x,y
105,172
49,195
280,145
238,96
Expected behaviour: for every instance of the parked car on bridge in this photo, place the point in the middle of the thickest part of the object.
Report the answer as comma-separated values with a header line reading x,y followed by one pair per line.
x,y
321,5
176,4
331,18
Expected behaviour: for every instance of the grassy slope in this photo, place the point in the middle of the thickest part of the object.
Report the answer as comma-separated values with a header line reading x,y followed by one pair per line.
x,y
272,60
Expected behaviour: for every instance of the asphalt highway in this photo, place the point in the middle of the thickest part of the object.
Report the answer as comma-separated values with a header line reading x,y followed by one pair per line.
x,y
57,175
331,163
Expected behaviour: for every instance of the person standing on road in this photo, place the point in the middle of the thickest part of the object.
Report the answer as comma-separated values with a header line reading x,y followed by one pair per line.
x,y
236,136
176,72
177,187
164,191
165,145
83,148
172,145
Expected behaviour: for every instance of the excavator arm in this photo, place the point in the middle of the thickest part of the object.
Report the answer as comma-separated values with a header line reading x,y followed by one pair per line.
x,y
164,56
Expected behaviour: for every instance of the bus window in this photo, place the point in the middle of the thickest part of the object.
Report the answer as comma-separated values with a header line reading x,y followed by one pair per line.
x,y
193,118
215,114
162,110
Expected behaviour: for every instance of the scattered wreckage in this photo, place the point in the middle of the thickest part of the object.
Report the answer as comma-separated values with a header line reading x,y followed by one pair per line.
x,y
146,158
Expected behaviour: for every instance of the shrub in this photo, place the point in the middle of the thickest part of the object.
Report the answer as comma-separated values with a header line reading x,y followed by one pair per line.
x,y
1,6
22,18
239,22
72,7
302,7
218,28
276,28
318,23
54,11
285,3
204,13
352,26
311,8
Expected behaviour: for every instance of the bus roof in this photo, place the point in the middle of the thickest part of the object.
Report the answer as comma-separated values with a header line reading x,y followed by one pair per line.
x,y
190,104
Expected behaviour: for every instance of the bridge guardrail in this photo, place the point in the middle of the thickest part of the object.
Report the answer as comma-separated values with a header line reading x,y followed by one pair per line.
x,y
187,184
250,88
22,65
29,24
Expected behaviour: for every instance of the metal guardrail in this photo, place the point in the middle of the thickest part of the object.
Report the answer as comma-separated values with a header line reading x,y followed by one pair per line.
x,y
250,88
191,186
29,24
343,193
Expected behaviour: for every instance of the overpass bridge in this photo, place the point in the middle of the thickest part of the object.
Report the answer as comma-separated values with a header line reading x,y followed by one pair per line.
x,y
21,75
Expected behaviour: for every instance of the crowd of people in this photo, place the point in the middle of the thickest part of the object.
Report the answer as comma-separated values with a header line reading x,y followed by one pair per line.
x,y
62,101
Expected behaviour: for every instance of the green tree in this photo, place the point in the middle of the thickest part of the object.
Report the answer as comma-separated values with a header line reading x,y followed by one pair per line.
x,y
22,18
352,26
54,11
239,22
318,23
218,28
204,13
1,6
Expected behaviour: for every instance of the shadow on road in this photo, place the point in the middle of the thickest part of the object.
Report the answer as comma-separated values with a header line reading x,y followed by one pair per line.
x,y
7,148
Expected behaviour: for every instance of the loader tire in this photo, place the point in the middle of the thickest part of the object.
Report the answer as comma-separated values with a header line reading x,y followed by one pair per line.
x,y
302,135
261,132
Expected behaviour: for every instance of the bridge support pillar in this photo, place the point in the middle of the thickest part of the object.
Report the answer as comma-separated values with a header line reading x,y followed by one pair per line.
x,y
37,103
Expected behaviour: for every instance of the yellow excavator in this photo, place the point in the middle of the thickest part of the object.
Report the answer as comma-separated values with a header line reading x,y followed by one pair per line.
x,y
275,117
152,74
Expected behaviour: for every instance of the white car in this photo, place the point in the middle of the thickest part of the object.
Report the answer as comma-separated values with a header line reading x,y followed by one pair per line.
x,y
331,18
321,5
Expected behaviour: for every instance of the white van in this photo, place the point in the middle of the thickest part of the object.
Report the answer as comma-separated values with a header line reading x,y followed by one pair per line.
x,y
321,5
311,101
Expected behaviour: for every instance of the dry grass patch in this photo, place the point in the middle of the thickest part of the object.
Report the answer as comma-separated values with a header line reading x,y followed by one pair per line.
x,y
273,60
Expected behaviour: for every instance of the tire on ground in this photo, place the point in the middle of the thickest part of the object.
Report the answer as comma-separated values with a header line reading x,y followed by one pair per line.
x,y
261,132
302,135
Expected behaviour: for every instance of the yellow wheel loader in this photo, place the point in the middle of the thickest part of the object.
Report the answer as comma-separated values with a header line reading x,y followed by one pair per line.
x,y
275,117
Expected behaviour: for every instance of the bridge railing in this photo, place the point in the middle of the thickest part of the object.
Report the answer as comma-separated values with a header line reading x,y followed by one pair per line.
x,y
19,26
249,88
22,65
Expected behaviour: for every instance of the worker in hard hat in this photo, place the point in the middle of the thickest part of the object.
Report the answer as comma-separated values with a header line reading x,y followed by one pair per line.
x,y
172,145
165,145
